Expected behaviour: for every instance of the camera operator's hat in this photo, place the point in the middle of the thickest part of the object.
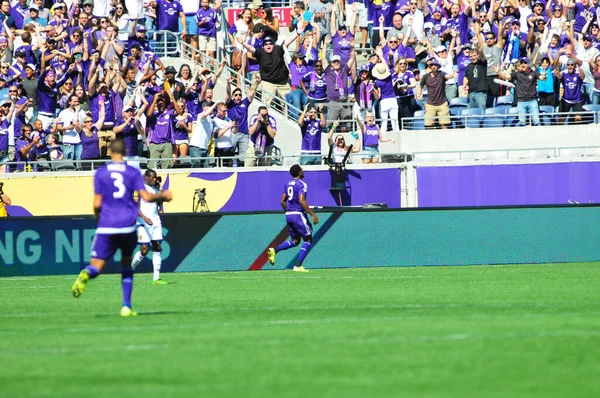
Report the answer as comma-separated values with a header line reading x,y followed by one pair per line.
x,y
380,71
170,69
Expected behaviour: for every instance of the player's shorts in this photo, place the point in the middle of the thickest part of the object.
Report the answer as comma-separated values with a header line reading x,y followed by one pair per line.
x,y
361,15
298,224
105,246
207,43
147,233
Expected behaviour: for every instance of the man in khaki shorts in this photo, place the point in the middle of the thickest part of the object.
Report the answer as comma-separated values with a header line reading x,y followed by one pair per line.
x,y
437,103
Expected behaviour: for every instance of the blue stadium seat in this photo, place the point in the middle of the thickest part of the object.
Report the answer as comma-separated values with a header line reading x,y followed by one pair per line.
x,y
472,121
512,119
496,121
502,108
505,100
546,116
418,124
459,102
593,108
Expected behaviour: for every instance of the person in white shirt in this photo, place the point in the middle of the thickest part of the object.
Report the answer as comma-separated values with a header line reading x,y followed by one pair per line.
x,y
69,123
223,130
150,228
201,135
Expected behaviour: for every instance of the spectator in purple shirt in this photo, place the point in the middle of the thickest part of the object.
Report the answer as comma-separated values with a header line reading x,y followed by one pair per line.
x,y
207,20
161,123
297,97
238,112
572,80
25,146
169,14
314,85
89,138
342,41
311,129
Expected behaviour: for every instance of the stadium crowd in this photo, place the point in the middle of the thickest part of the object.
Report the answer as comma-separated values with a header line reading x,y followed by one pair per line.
x,y
73,76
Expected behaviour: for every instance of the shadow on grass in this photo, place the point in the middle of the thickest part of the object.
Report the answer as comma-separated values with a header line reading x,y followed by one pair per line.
x,y
148,313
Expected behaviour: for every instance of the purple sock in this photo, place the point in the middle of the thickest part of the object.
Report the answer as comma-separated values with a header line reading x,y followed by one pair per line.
x,y
92,271
303,252
285,245
127,285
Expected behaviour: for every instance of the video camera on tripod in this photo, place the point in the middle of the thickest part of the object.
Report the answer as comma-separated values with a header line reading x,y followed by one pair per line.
x,y
337,168
199,200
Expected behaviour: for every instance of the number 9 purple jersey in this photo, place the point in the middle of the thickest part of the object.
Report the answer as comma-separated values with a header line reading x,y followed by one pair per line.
x,y
117,182
293,189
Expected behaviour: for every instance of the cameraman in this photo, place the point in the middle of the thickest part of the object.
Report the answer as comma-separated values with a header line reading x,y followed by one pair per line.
x,y
4,201
263,128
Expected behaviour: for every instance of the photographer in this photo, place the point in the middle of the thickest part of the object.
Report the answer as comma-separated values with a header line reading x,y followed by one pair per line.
x,y
4,201
263,128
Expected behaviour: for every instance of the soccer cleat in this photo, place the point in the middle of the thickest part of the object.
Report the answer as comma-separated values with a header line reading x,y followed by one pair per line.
x,y
160,282
126,311
271,254
79,285
300,269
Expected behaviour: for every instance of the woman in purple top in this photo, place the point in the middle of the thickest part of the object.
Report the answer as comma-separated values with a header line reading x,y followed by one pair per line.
x,y
297,97
89,139
404,90
341,40
183,129
371,138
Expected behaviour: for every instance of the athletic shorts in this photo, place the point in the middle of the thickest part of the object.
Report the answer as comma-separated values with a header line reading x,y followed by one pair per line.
x,y
207,43
298,224
370,152
105,246
147,233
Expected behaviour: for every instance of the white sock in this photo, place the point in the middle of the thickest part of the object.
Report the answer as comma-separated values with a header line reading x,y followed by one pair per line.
x,y
137,259
156,262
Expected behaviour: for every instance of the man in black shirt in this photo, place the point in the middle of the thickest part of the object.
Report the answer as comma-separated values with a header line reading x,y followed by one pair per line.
x,y
475,81
525,80
274,72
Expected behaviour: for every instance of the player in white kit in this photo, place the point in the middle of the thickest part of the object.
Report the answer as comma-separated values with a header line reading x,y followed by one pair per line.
x,y
150,229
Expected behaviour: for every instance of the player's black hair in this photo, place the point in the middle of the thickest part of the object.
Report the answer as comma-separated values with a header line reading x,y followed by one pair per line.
x,y
118,147
295,170
149,172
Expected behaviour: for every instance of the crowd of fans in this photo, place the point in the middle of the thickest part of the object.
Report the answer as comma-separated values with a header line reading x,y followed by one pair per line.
x,y
74,76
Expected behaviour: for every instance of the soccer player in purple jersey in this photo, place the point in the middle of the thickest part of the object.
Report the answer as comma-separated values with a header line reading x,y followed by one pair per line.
x,y
294,203
116,211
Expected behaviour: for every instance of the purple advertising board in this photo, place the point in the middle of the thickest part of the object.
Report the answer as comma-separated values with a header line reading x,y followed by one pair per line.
x,y
506,185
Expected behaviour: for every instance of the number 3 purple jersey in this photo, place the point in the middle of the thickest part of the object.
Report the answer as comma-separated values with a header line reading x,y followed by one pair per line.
x,y
117,182
298,224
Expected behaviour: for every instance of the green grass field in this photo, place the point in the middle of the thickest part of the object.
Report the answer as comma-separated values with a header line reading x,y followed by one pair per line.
x,y
488,331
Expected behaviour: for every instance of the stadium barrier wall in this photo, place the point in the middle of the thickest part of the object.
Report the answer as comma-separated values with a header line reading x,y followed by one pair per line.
x,y
350,238
38,194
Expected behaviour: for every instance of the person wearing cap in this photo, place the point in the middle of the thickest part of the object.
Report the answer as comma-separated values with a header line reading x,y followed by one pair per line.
x,y
33,16
262,128
516,43
175,87
6,49
296,97
273,69
341,40
160,123
445,57
436,22
557,16
536,15
586,52
128,127
137,36
339,91
474,81
43,12
437,103
457,23
525,80
463,60
572,81
25,146
255,40
207,20
237,109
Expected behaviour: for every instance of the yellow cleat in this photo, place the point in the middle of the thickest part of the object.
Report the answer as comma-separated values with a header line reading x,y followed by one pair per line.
x,y
160,282
126,311
79,285
271,254
300,269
